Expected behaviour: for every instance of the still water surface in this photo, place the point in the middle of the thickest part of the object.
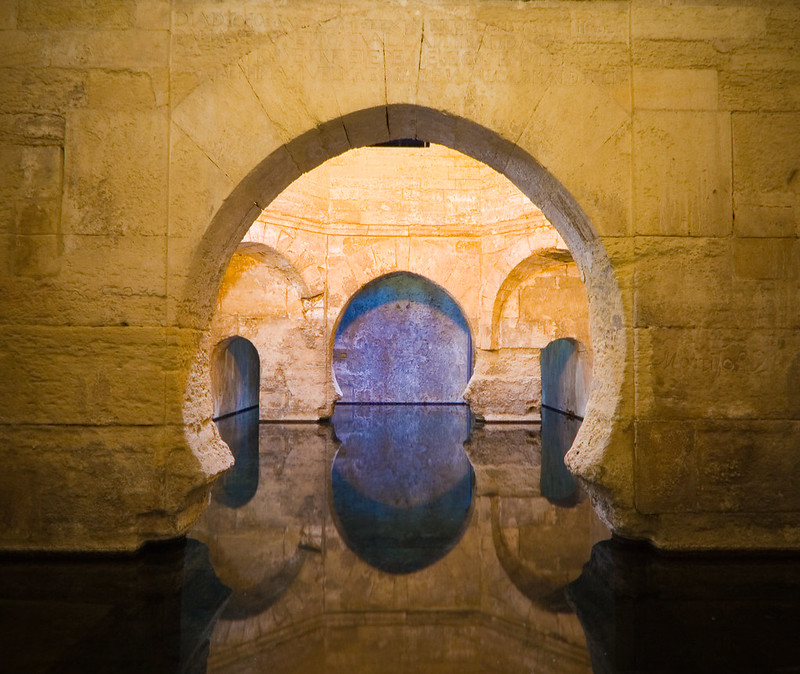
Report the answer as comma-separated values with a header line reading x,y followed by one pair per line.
x,y
399,538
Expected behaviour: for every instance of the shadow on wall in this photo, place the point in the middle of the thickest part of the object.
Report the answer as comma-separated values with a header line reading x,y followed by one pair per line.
x,y
402,339
235,376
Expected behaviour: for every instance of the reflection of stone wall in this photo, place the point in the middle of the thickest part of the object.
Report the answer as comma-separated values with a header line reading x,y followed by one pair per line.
x,y
486,606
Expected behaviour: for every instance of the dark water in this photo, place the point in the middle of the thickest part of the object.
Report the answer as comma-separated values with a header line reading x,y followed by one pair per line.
x,y
399,539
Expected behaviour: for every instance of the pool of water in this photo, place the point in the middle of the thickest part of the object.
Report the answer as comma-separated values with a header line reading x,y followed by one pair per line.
x,y
399,538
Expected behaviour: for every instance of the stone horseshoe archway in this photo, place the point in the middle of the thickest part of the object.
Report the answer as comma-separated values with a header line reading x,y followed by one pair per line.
x,y
602,455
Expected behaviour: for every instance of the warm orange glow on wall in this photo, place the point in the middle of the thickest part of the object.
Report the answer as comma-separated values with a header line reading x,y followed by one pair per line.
x,y
373,211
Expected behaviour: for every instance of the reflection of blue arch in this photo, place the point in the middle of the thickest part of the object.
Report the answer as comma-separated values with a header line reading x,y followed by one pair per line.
x,y
402,338
401,483
239,484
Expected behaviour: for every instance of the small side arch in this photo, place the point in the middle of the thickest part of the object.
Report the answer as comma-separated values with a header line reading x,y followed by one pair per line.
x,y
536,263
235,376
566,377
274,248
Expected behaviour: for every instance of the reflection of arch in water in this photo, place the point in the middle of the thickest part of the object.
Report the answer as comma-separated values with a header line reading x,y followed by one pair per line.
x,y
260,551
237,485
402,485
545,589
258,598
402,338
235,376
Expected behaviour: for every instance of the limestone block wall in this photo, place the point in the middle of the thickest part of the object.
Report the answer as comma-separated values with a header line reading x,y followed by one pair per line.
x,y
141,140
376,211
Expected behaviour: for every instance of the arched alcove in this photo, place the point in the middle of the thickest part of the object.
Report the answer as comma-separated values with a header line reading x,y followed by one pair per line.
x,y
402,339
235,377
566,377
277,260
543,264
266,300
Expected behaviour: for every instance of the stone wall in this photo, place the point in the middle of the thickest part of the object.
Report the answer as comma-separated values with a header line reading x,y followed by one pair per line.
x,y
141,140
259,302
377,211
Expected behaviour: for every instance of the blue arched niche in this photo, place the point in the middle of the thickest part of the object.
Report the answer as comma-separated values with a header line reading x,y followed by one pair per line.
x,y
402,339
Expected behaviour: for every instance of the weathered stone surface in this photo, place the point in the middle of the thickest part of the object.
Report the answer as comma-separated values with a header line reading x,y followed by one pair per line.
x,y
402,339
52,15
766,160
580,130
666,467
652,20
203,122
506,384
133,49
122,155
747,466
682,281
44,504
674,89
682,188
676,367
